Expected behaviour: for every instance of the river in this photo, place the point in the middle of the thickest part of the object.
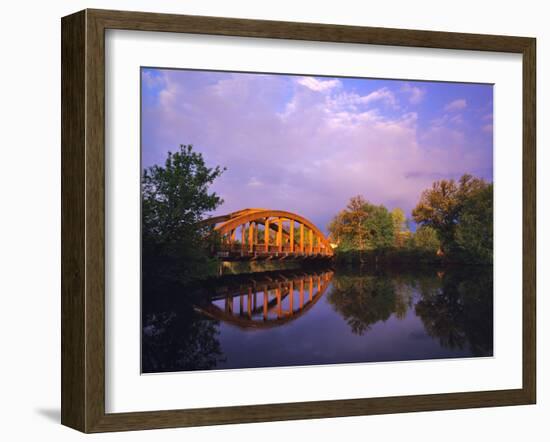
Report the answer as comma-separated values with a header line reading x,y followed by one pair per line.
x,y
319,316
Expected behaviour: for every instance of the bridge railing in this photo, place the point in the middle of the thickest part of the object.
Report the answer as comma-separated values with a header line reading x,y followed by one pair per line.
x,y
274,250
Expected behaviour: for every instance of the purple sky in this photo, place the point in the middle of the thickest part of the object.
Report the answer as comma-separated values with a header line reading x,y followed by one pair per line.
x,y
307,144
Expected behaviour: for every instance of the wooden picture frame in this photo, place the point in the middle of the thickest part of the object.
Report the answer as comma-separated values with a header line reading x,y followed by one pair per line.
x,y
83,219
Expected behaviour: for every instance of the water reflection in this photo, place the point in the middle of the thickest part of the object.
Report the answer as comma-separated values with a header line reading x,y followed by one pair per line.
x,y
364,300
320,316
175,337
459,311
267,301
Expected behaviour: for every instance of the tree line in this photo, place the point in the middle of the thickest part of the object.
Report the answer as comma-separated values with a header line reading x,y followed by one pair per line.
x,y
454,224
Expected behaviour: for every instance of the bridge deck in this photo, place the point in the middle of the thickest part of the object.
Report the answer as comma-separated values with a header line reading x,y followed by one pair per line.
x,y
237,252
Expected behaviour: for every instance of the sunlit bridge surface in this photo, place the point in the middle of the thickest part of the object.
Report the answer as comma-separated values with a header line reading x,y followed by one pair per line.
x,y
251,234
274,301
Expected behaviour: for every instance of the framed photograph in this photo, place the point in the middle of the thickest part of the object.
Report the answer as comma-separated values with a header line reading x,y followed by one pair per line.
x,y
270,220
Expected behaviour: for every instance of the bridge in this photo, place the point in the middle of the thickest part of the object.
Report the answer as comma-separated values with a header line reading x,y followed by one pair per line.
x,y
270,303
252,234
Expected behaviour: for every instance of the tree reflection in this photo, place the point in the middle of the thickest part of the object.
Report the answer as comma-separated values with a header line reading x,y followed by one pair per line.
x,y
454,305
459,312
404,295
176,338
362,300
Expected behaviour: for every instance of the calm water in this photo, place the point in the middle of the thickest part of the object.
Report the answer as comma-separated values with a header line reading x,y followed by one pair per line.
x,y
320,316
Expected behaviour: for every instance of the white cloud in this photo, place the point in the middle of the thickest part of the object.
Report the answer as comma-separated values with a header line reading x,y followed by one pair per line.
x,y
456,105
383,94
415,93
319,85
351,101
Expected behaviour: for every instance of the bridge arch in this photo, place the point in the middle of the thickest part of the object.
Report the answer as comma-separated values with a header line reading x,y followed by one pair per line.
x,y
285,234
260,305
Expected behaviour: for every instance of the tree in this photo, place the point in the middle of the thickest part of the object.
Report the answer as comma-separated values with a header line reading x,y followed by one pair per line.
x,y
426,239
441,207
398,219
400,229
349,228
362,226
474,233
174,199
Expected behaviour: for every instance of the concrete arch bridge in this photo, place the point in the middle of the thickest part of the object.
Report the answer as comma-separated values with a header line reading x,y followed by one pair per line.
x,y
251,234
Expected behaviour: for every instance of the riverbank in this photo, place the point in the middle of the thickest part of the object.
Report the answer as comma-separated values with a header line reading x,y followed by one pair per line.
x,y
402,257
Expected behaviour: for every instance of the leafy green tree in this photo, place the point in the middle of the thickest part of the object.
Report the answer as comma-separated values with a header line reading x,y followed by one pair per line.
x,y
441,207
474,233
425,238
362,226
398,219
400,227
348,228
174,199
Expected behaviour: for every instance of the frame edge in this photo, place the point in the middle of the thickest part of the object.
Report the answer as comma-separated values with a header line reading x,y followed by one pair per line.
x,y
529,220
73,253
83,235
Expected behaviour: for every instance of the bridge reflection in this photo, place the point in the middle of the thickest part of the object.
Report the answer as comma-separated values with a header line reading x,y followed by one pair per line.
x,y
268,300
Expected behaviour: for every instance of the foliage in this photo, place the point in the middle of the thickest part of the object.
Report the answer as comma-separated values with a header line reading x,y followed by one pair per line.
x,y
362,226
448,204
474,233
174,199
398,219
400,227
425,238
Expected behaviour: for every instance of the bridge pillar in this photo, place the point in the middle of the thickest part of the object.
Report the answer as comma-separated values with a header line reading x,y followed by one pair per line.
x,y
301,238
310,241
251,229
266,235
280,234
292,236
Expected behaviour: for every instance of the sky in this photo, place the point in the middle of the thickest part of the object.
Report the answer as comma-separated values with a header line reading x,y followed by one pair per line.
x,y
307,144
